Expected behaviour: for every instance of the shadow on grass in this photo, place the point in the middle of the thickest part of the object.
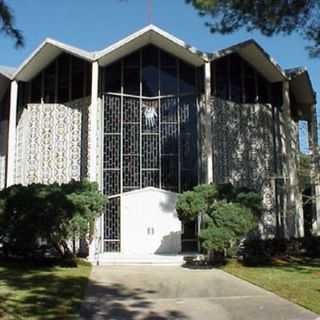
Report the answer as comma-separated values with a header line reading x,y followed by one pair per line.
x,y
41,292
287,263
51,292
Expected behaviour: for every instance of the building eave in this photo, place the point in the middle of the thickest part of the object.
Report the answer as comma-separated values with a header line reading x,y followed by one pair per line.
x,y
48,50
151,35
256,56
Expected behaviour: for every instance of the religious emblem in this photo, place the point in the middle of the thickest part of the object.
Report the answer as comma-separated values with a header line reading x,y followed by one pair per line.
x,y
150,115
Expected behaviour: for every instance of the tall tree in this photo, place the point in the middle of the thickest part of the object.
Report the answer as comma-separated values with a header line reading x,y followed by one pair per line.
x,y
7,24
268,16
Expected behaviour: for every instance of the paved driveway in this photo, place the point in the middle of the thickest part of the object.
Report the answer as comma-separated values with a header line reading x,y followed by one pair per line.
x,y
153,292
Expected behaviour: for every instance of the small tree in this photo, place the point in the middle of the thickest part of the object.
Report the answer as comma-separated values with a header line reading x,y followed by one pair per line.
x,y
228,213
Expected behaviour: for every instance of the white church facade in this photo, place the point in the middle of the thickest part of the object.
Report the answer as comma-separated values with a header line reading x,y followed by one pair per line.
x,y
150,117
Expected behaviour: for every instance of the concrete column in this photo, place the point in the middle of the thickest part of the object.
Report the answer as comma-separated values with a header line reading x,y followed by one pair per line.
x,y
293,212
313,147
208,129
12,133
93,122
94,245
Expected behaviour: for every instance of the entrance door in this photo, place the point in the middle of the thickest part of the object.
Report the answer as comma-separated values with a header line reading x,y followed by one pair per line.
x,y
149,222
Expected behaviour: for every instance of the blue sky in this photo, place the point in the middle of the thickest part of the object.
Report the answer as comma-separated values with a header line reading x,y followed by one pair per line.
x,y
94,24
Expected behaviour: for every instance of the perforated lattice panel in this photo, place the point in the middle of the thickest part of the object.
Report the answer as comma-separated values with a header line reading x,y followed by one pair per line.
x,y
112,225
147,143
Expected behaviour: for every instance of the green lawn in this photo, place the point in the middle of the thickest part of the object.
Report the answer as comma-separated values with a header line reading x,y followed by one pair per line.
x,y
297,280
41,292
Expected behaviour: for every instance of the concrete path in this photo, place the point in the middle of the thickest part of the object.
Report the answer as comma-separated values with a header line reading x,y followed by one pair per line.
x,y
161,293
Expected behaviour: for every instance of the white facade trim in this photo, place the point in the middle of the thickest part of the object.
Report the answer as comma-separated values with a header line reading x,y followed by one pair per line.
x,y
12,133
93,127
207,85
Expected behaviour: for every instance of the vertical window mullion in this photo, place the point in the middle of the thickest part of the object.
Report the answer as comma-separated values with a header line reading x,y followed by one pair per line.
x,y
178,127
140,109
159,116
121,129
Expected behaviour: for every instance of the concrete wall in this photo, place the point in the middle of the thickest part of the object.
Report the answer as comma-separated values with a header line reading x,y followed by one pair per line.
x,y
256,146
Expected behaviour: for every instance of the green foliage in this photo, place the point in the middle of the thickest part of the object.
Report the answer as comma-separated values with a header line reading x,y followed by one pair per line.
x,y
228,213
229,223
192,203
268,16
53,213
7,24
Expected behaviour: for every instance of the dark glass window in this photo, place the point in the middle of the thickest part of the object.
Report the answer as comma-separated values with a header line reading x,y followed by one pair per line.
x,y
221,78
77,78
187,78
276,89
36,89
150,71
235,78
263,88
63,78
113,77
131,74
49,83
249,84
168,74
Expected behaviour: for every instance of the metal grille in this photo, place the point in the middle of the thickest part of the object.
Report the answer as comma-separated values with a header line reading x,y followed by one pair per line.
x,y
147,143
112,225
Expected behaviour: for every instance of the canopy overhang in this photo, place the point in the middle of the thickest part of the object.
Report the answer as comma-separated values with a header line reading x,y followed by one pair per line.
x,y
302,92
257,57
44,55
151,35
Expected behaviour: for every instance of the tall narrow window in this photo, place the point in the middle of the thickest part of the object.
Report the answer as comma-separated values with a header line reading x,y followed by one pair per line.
x,y
168,74
77,78
113,78
131,74
150,71
50,83
63,78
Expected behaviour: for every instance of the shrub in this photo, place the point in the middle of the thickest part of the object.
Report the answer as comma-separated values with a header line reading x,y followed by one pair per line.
x,y
51,214
227,213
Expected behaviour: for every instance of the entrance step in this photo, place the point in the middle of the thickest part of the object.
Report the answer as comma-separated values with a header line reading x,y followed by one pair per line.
x,y
144,259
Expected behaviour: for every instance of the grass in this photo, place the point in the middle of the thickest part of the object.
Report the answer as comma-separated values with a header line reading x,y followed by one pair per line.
x,y
29,292
295,279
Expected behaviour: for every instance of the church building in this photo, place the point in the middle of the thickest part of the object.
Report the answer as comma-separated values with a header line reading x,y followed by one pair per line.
x,y
150,117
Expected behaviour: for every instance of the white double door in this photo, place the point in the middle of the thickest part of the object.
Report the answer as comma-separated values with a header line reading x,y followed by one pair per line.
x,y
149,223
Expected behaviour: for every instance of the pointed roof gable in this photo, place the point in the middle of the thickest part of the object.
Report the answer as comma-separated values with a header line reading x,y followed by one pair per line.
x,y
150,35
43,55
255,55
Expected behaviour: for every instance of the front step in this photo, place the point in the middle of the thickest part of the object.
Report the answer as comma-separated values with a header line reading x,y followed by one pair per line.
x,y
142,259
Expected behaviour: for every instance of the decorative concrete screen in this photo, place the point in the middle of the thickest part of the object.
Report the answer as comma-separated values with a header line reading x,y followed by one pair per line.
x,y
149,222
50,143
243,137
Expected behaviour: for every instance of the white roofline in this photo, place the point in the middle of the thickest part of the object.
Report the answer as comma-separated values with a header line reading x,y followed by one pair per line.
x,y
151,27
64,47
190,51
234,48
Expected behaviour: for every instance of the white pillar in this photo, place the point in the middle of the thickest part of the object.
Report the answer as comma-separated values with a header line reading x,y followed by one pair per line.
x,y
94,245
12,133
93,120
207,86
